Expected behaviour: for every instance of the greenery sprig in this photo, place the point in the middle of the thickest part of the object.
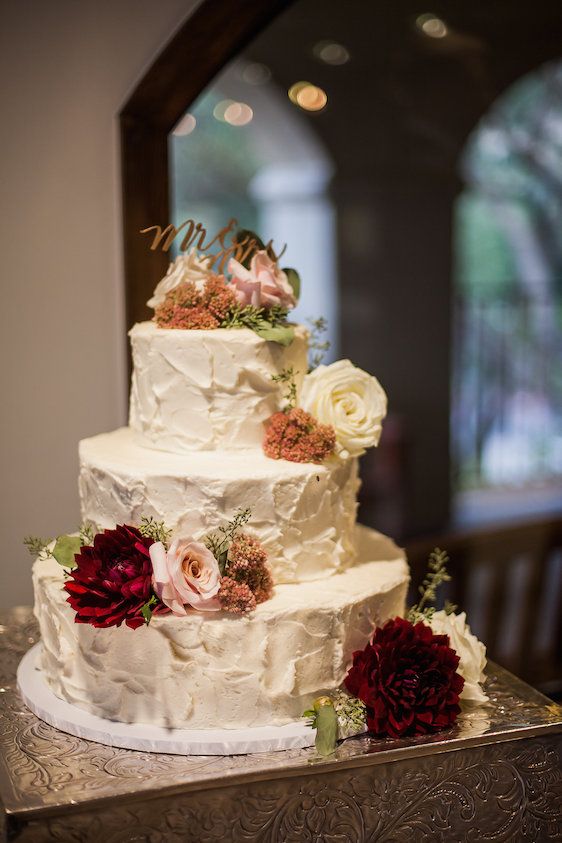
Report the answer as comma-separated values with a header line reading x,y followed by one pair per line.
x,y
317,346
155,530
146,610
287,377
436,576
351,713
219,541
38,547
268,323
86,533
62,548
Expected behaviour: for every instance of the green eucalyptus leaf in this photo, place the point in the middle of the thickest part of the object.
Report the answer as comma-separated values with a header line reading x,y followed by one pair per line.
x,y
326,726
310,714
65,548
283,334
146,610
294,280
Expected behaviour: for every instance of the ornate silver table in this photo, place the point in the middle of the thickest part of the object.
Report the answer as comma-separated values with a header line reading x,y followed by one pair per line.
x,y
496,776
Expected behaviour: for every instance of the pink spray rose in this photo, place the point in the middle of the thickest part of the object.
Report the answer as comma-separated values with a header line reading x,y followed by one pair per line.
x,y
187,575
263,284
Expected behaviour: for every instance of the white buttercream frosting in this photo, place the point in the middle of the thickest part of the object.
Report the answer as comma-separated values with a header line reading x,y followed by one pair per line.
x,y
209,670
303,513
207,390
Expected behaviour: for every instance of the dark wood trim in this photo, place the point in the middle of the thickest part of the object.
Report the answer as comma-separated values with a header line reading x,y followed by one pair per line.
x,y
213,35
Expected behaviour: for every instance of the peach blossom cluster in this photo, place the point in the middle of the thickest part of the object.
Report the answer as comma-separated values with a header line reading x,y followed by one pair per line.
x,y
248,579
236,597
295,435
187,307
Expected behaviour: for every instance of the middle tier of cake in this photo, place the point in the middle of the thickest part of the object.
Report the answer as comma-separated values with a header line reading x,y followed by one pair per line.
x,y
303,513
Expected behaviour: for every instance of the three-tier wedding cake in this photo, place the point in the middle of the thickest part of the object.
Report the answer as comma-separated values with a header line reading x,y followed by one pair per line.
x,y
214,635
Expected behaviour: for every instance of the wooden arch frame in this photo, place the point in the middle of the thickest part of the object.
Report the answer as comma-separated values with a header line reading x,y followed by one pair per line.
x,y
207,40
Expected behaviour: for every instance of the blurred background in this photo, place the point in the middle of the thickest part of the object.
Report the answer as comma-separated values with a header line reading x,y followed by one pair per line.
x,y
410,157
425,216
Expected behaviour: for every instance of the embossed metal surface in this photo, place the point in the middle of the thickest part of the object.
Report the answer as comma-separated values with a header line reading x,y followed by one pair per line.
x,y
495,775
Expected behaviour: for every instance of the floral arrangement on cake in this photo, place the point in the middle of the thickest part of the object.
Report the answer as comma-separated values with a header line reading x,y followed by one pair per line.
x,y
340,409
130,573
412,675
339,412
254,293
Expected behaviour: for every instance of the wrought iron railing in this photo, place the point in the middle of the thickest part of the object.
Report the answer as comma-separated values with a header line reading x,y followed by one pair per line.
x,y
506,419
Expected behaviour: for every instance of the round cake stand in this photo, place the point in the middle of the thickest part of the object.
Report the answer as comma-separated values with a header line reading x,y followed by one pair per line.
x,y
68,718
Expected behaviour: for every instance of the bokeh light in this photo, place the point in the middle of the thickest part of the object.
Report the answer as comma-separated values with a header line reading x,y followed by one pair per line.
x,y
255,73
185,126
308,96
330,52
432,26
220,109
238,114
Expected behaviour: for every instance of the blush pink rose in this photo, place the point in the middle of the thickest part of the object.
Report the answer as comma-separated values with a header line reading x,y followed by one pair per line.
x,y
187,575
263,284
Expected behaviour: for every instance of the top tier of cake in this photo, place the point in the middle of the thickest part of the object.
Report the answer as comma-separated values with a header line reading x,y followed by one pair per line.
x,y
207,390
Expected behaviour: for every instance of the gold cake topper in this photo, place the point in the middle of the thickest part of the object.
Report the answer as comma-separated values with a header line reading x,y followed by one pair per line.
x,y
240,246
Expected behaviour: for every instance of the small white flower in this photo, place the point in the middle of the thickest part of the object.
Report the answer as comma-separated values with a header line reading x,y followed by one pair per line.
x,y
186,267
350,400
471,651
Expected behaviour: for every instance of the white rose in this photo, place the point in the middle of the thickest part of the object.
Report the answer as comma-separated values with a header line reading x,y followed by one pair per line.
x,y
349,399
471,651
186,267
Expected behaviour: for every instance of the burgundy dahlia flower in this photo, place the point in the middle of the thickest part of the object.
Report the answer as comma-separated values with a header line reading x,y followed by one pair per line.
x,y
407,677
112,579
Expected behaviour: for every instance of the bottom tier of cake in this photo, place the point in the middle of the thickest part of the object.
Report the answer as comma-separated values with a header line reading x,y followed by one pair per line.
x,y
217,670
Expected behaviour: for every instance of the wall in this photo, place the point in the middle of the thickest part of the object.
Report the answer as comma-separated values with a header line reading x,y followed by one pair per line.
x,y
67,68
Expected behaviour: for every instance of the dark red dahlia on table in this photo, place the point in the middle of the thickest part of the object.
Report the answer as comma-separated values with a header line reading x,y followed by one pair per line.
x,y
112,580
407,677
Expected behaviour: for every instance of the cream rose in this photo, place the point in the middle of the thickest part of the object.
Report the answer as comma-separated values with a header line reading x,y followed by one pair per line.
x,y
471,651
186,267
187,575
263,284
349,399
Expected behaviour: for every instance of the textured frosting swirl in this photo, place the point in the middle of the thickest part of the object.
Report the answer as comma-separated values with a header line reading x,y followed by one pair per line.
x,y
303,513
207,390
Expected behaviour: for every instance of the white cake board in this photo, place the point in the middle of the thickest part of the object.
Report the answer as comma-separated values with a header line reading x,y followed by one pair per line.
x,y
68,718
